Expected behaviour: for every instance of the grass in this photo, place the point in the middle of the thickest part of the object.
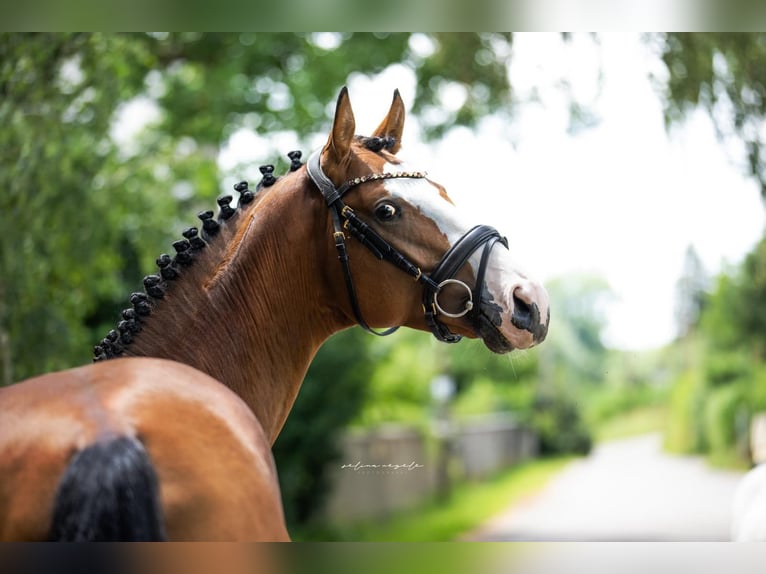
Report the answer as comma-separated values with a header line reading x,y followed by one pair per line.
x,y
728,461
469,505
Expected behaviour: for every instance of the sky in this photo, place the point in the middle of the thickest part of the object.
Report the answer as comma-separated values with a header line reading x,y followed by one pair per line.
x,y
622,199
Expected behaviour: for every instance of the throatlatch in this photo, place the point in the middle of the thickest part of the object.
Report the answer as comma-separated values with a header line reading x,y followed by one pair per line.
x,y
443,274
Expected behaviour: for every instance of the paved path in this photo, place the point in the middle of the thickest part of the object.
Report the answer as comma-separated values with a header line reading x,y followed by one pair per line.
x,y
624,491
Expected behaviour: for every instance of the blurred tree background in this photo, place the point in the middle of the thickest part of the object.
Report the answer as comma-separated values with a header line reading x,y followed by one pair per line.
x,y
84,213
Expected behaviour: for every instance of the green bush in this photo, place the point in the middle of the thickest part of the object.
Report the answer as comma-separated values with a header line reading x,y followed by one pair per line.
x,y
722,368
561,428
723,407
480,397
755,390
710,408
685,429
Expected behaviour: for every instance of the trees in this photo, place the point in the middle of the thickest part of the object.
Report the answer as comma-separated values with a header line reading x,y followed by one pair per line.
x,y
725,382
736,318
723,74
63,237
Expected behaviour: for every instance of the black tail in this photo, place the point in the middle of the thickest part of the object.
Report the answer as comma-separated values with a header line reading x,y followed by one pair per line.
x,y
109,492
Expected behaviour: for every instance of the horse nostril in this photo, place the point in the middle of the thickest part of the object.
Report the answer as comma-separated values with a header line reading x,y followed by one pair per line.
x,y
527,315
523,314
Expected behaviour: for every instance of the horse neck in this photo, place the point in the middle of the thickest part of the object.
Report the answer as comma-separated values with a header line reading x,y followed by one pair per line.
x,y
255,312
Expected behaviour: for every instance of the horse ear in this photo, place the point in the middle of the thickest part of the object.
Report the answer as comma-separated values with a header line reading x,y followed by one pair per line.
x,y
336,150
393,124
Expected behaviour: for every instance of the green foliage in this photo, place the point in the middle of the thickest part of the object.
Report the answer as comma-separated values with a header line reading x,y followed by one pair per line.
x,y
750,305
640,420
476,64
725,411
483,396
723,74
217,83
735,317
574,350
725,381
755,389
59,255
723,431
685,431
720,321
470,359
407,362
612,401
399,390
723,368
558,420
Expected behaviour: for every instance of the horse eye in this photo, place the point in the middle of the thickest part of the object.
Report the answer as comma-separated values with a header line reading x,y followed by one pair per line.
x,y
386,211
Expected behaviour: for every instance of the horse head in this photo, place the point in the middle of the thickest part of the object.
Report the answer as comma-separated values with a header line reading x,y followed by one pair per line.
x,y
408,255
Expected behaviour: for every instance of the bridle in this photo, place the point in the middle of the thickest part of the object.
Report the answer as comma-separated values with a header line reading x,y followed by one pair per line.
x,y
344,218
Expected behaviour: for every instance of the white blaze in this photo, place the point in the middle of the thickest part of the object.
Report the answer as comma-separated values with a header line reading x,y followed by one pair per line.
x,y
425,196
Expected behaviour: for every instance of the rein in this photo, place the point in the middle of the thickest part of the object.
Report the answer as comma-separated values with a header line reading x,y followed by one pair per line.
x,y
345,220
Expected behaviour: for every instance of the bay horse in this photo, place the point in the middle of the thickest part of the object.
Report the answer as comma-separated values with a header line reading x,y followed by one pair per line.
x,y
168,434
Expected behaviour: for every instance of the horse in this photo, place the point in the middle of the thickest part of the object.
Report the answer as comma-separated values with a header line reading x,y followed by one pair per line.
x,y
168,434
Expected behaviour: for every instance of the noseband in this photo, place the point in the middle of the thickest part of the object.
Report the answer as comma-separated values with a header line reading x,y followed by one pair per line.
x,y
443,274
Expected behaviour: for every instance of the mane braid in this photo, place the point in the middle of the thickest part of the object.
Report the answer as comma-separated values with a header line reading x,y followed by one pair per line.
x,y
170,268
377,144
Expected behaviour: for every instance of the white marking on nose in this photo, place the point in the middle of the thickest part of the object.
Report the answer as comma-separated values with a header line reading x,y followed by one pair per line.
x,y
425,196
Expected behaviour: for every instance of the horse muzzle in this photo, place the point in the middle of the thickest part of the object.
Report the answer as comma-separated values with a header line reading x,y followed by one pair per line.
x,y
518,319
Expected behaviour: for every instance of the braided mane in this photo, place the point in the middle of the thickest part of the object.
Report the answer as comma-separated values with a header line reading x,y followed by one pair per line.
x,y
171,268
376,144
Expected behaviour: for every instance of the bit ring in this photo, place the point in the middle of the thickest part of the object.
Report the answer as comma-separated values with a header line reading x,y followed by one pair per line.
x,y
468,304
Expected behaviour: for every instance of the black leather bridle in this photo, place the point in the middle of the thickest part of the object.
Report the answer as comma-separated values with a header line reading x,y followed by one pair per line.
x,y
344,218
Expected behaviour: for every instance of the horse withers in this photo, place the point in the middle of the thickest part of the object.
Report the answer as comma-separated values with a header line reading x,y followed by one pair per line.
x,y
168,434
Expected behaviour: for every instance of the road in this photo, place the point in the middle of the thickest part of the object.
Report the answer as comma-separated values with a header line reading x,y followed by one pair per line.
x,y
626,490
